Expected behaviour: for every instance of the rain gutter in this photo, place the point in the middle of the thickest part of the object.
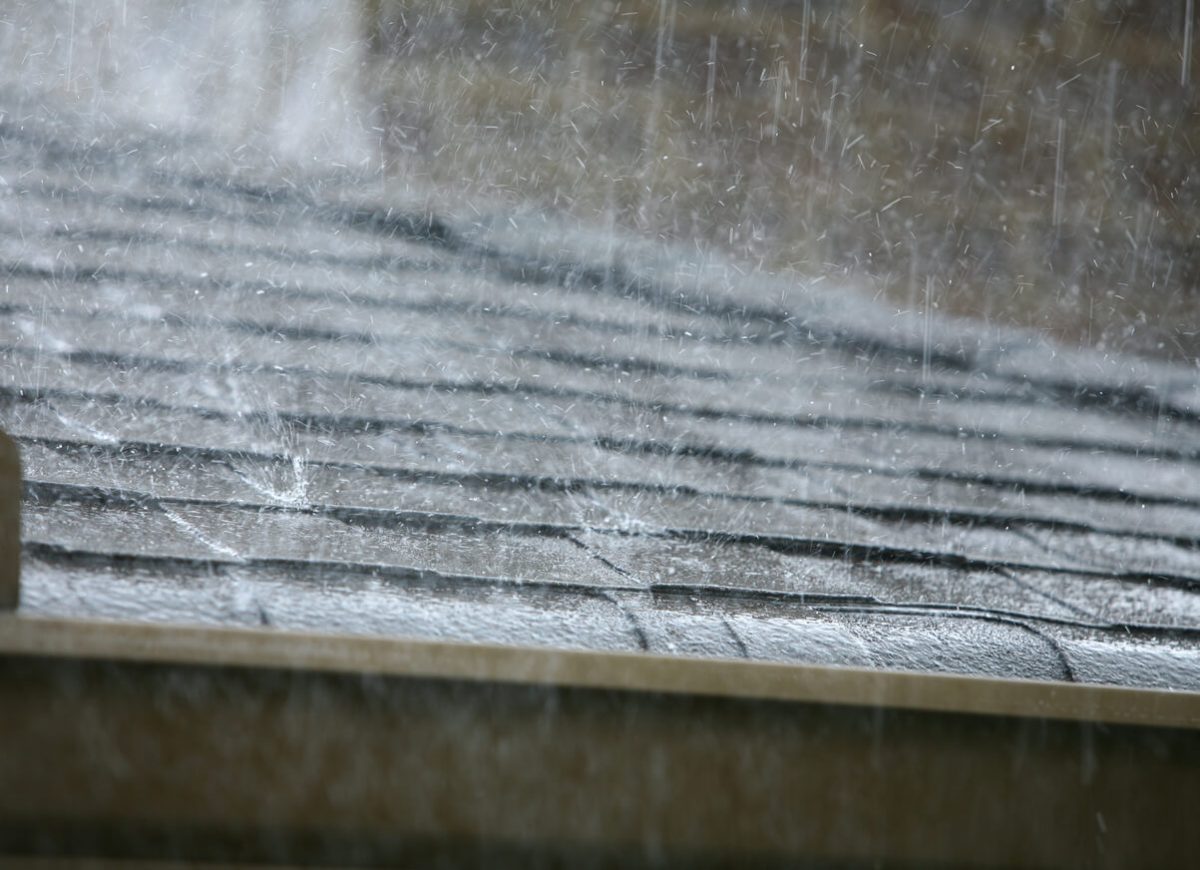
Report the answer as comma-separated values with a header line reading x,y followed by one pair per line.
x,y
136,742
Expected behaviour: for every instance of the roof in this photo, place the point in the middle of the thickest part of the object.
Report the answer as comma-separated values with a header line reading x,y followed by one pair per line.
x,y
264,397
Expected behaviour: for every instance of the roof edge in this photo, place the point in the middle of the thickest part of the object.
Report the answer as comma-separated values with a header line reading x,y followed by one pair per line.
x,y
38,637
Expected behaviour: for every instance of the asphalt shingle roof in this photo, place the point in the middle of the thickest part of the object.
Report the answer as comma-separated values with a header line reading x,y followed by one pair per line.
x,y
278,400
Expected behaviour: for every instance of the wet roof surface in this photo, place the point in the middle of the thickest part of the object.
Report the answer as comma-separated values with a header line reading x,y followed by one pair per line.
x,y
245,400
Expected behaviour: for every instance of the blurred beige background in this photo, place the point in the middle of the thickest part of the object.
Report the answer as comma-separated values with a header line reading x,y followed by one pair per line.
x,y
1027,162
